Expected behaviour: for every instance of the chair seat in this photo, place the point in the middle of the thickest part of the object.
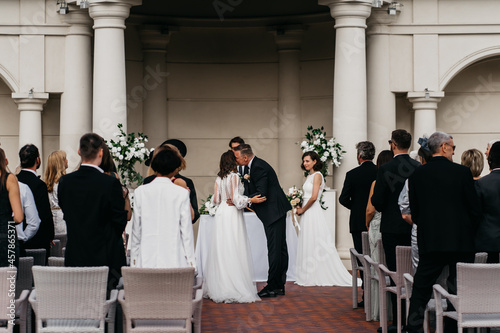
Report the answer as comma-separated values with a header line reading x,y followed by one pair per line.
x,y
159,326
476,320
75,325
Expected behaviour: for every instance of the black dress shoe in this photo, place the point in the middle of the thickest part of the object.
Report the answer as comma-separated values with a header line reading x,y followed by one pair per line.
x,y
280,292
390,329
266,293
361,304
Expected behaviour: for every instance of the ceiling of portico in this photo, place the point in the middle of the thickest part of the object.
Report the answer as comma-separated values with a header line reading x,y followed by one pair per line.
x,y
226,12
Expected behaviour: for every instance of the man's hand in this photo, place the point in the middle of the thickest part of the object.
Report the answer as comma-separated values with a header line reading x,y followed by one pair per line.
x,y
229,202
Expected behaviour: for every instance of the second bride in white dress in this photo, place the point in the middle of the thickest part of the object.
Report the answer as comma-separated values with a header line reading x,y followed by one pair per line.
x,y
229,272
318,263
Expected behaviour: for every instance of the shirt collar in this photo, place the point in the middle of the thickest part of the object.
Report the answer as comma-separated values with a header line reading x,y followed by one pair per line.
x,y
32,171
250,163
93,166
496,169
400,154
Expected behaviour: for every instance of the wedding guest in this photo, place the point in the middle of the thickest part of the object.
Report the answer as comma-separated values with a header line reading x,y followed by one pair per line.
x,y
391,178
56,168
372,218
93,207
189,183
235,142
162,234
108,166
473,159
10,203
488,147
488,190
313,269
30,162
444,205
26,231
354,195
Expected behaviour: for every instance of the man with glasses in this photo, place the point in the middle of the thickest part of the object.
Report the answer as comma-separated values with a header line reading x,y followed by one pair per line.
x,y
445,207
391,178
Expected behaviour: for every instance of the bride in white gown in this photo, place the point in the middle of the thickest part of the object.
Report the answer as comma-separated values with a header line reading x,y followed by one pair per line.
x,y
318,263
229,272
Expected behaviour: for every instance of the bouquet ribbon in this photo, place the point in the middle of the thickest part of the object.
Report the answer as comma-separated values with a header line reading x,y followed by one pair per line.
x,y
294,219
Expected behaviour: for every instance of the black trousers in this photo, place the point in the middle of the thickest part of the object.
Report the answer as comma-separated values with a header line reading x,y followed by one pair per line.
x,y
390,241
358,246
429,268
277,253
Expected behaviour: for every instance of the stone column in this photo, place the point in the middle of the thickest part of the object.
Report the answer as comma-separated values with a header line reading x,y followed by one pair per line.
x,y
154,88
349,95
76,101
425,106
110,100
289,133
30,118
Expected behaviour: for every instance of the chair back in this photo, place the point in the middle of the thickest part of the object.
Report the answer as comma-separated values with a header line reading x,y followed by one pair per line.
x,y
70,292
158,293
7,283
403,263
62,238
38,255
56,249
477,288
481,258
365,243
24,275
56,262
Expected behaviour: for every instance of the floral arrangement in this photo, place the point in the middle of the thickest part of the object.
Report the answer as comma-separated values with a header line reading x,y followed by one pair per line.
x,y
207,207
127,150
328,150
294,196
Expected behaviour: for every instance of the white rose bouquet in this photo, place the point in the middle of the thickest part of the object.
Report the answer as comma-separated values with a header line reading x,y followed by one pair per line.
x,y
294,196
207,207
126,150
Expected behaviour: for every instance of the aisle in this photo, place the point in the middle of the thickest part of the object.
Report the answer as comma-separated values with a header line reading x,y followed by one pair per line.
x,y
303,309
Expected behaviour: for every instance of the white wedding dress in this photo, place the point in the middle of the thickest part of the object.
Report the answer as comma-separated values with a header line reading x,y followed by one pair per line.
x,y
318,263
229,272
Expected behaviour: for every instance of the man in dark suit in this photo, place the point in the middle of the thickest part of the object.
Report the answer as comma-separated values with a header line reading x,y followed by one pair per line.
x,y
391,178
30,162
272,213
445,207
93,207
355,192
488,190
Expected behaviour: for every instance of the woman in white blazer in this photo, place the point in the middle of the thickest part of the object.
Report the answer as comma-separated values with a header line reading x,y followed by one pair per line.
x,y
162,233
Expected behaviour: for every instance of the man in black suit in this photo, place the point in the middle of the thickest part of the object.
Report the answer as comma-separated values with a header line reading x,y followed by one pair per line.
x,y
445,207
488,191
355,192
93,207
272,213
391,178
30,162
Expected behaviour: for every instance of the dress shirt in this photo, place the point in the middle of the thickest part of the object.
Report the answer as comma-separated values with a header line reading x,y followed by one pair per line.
x,y
404,200
93,166
30,213
32,171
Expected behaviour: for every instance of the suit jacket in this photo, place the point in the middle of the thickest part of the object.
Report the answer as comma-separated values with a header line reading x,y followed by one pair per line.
x,y
192,193
93,207
391,178
162,233
445,207
355,194
264,181
45,233
488,191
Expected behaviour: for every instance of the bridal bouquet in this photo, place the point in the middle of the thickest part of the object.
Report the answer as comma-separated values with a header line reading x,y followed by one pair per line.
x,y
294,196
328,150
207,208
126,150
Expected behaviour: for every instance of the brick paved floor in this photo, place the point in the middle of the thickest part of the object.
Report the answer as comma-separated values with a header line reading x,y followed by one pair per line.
x,y
303,309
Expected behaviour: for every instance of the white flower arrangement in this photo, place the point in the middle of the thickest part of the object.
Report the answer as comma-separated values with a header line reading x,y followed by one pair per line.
x,y
207,207
328,150
127,150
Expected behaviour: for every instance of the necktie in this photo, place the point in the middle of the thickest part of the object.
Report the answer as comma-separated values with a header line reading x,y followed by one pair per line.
x,y
246,170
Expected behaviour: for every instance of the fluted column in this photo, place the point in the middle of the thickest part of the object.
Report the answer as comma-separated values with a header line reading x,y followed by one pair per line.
x,y
155,107
76,101
30,118
110,100
425,105
349,95
288,41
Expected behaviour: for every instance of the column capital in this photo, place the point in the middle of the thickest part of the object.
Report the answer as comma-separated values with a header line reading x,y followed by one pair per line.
x,y
25,102
288,37
425,100
155,38
79,21
349,13
379,16
111,13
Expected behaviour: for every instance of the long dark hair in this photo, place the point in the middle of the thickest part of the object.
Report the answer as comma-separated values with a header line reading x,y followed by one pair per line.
x,y
315,157
107,163
227,164
384,157
3,168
